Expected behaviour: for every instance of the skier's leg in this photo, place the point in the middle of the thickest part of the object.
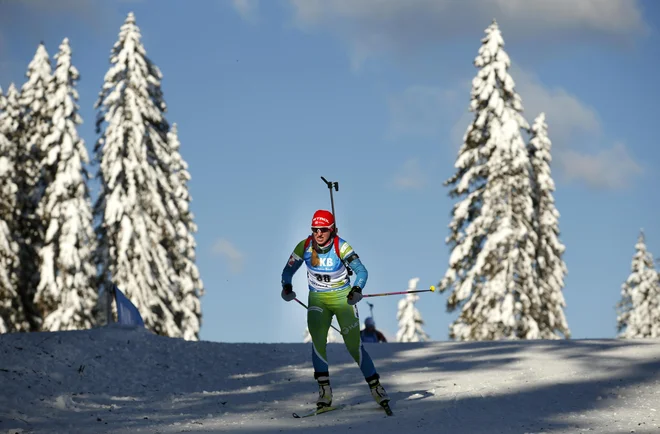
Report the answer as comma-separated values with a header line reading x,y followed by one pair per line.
x,y
319,318
349,321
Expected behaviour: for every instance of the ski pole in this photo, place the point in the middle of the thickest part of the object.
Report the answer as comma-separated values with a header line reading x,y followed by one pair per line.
x,y
431,289
305,306
332,201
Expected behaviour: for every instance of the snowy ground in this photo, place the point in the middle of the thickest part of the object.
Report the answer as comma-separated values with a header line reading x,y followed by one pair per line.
x,y
113,380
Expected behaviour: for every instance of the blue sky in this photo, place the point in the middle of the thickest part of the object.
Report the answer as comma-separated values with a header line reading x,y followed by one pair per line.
x,y
270,96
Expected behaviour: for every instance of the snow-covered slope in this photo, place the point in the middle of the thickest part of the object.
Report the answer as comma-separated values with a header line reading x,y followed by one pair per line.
x,y
113,380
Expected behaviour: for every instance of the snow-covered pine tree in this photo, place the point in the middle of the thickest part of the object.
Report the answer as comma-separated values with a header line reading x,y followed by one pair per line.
x,y
10,125
66,294
35,126
492,238
639,307
12,317
131,205
180,243
549,265
410,320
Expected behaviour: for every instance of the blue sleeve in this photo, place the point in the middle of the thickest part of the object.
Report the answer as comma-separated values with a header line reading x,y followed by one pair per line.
x,y
360,271
290,269
294,262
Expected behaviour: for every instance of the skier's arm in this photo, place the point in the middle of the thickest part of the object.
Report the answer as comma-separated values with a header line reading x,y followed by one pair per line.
x,y
351,258
359,269
381,337
293,264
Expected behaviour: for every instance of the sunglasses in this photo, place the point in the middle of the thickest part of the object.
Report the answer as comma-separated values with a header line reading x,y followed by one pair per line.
x,y
322,230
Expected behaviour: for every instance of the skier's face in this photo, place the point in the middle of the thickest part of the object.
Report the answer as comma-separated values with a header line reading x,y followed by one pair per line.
x,y
321,235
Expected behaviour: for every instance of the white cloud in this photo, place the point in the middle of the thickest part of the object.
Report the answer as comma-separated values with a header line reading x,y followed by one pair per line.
x,y
606,169
27,23
28,18
372,27
566,115
420,110
572,125
569,119
247,9
410,177
375,27
233,256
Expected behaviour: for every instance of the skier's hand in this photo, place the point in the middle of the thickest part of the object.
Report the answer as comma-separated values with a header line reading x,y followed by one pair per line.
x,y
355,295
288,293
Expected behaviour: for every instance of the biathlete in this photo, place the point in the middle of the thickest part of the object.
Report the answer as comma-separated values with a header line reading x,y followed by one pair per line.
x,y
330,260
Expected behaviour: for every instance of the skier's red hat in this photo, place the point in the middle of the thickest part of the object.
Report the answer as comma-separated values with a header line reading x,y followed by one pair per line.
x,y
323,219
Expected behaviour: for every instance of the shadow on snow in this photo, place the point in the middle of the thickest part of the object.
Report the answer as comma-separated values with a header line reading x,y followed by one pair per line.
x,y
228,385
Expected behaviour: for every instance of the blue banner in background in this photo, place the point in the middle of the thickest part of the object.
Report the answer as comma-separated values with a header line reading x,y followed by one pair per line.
x,y
127,313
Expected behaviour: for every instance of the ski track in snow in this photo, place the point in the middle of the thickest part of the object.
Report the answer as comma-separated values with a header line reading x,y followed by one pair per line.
x,y
114,380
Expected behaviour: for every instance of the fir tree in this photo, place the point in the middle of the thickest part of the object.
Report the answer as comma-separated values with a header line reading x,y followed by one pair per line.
x,y
410,320
639,307
66,293
12,317
132,207
492,239
35,125
550,267
179,241
10,125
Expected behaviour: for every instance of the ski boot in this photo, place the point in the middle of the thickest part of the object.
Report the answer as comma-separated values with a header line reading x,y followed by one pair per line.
x,y
379,394
325,391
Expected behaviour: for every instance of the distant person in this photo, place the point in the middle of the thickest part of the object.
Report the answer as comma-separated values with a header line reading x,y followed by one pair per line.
x,y
327,257
369,333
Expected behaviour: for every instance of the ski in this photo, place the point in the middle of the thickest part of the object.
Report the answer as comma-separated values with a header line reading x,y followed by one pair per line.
x,y
318,411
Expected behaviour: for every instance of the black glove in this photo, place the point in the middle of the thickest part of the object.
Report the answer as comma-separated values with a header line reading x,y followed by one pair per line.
x,y
355,295
287,292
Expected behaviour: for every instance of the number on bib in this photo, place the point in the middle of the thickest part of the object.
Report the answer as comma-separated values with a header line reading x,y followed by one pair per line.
x,y
322,277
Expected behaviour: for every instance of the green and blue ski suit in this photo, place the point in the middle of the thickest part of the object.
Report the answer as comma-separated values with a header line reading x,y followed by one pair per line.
x,y
329,284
